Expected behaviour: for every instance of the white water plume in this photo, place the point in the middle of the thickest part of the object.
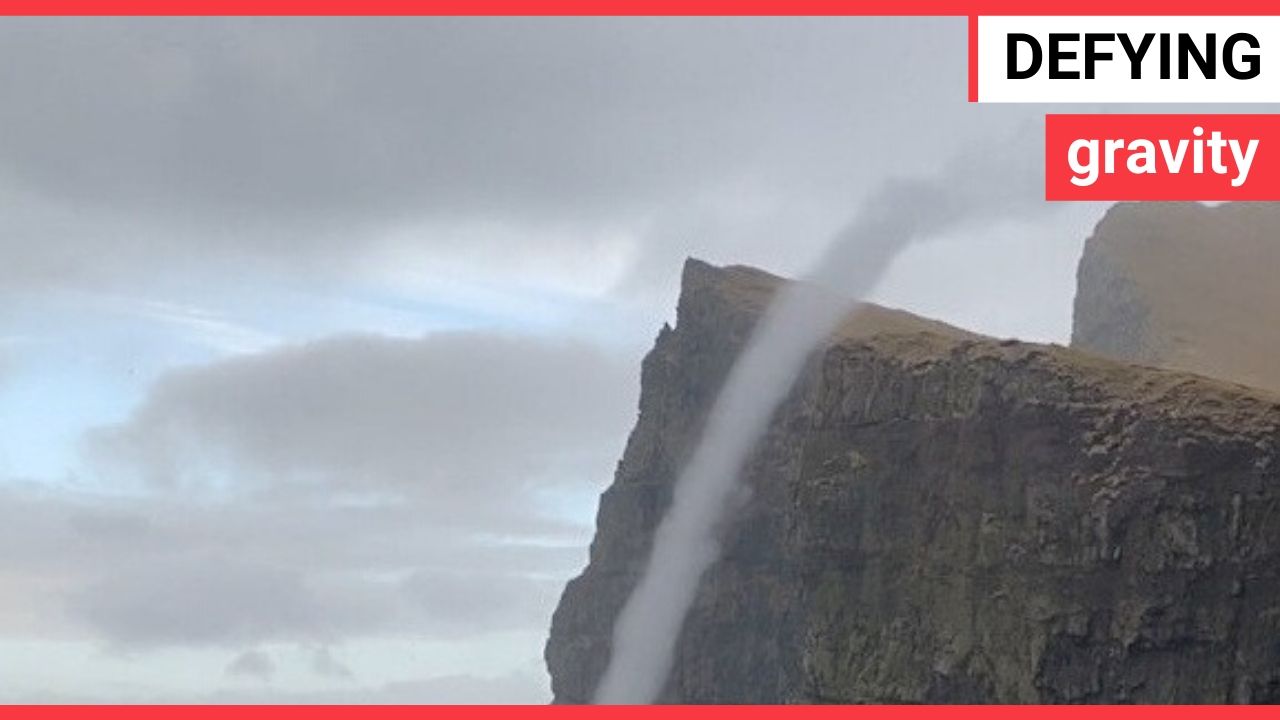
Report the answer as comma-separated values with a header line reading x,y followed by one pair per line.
x,y
797,322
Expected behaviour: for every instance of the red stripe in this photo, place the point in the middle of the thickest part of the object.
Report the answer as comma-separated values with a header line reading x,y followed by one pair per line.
x,y
962,8
702,712
973,58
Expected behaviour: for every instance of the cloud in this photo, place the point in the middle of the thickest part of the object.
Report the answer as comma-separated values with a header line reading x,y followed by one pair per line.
x,y
520,687
194,600
307,118
352,487
325,665
312,143
479,421
149,573
197,601
459,602
253,664
512,688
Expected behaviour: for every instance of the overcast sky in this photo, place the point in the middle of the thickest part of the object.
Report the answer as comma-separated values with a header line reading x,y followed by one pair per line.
x,y
319,338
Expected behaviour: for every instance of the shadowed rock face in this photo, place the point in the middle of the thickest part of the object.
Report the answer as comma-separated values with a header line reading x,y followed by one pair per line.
x,y
1185,286
935,516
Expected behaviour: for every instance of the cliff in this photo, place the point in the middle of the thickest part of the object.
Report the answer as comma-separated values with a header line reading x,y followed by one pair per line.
x,y
1184,286
937,516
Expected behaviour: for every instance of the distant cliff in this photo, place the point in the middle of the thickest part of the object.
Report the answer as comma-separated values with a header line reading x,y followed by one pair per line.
x,y
936,516
1185,286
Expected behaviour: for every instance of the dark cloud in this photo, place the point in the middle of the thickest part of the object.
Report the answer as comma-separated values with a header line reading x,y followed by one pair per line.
x,y
375,117
479,422
130,142
253,664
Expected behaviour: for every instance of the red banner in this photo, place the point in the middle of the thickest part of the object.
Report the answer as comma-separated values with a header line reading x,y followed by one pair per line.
x,y
635,7
702,712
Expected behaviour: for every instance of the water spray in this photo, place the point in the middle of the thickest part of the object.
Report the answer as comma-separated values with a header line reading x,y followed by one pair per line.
x,y
799,320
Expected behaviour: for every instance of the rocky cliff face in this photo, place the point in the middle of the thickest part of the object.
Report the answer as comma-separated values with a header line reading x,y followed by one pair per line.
x,y
1185,286
935,516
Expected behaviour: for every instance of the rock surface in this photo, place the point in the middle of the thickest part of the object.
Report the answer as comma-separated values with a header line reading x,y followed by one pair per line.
x,y
936,516
1185,286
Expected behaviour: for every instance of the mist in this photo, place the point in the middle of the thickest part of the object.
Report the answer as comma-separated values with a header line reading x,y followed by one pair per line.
x,y
797,322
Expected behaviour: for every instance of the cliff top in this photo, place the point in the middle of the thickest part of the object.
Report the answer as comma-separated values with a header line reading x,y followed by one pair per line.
x,y
749,290
1202,281
745,292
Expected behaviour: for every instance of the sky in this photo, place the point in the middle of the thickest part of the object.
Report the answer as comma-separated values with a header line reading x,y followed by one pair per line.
x,y
319,338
